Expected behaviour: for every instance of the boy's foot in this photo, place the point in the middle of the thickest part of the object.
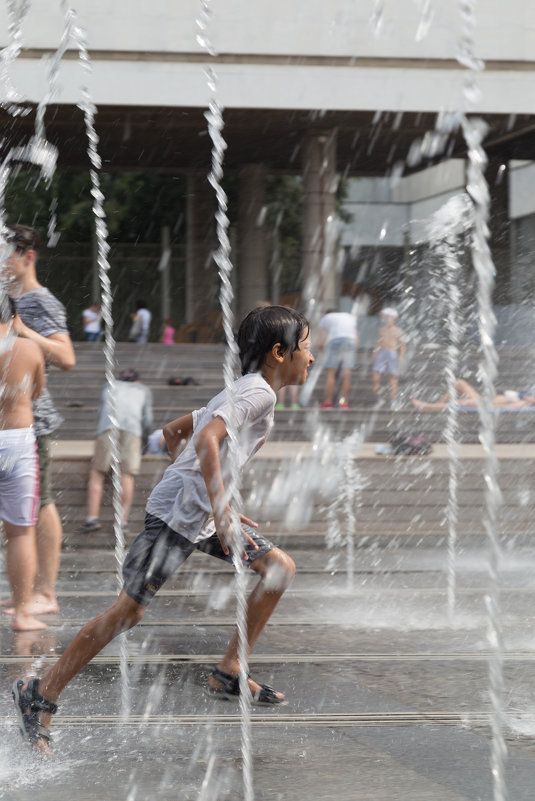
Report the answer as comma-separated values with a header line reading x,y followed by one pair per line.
x,y
326,406
29,704
294,406
27,623
379,402
343,405
279,406
88,527
38,605
226,687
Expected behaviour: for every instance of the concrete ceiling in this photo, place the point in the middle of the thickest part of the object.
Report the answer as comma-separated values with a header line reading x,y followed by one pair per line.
x,y
176,139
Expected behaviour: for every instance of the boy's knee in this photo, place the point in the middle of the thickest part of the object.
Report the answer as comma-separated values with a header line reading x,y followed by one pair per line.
x,y
278,570
127,611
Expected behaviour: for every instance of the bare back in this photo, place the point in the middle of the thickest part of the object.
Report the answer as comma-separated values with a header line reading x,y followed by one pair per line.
x,y
22,377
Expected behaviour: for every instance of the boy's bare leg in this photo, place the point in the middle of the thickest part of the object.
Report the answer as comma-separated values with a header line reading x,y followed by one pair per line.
x,y
95,487
376,382
49,533
48,537
330,381
276,570
90,640
127,493
21,563
393,382
345,386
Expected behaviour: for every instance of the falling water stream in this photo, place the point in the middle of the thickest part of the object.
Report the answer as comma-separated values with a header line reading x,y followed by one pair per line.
x,y
474,131
214,118
445,229
77,35
40,153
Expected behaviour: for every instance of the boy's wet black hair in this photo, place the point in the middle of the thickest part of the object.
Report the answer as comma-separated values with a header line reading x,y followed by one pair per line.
x,y
263,328
23,238
8,310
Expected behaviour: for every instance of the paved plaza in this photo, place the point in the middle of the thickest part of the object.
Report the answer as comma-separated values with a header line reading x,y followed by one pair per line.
x,y
387,695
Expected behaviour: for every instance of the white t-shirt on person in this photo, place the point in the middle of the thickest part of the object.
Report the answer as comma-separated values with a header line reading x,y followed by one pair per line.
x,y
145,317
339,325
181,499
91,321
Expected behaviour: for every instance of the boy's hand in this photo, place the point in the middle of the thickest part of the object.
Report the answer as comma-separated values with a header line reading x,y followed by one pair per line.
x,y
224,530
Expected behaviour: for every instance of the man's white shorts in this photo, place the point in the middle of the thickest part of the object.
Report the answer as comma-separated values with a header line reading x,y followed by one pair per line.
x,y
19,477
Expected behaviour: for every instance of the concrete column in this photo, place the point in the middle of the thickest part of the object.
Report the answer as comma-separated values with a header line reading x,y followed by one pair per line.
x,y
497,176
252,272
200,268
164,269
320,227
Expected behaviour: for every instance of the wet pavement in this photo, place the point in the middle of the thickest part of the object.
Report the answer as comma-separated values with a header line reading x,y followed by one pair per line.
x,y
387,695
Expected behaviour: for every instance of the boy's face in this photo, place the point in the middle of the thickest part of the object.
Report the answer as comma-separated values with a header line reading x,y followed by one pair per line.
x,y
16,267
296,364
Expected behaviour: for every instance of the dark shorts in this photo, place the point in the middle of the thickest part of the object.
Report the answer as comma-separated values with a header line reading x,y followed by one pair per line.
x,y
158,552
45,485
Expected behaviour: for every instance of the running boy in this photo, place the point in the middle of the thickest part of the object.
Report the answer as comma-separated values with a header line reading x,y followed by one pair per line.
x,y
22,378
389,350
189,509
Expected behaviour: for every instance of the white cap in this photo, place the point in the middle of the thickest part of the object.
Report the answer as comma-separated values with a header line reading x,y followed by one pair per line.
x,y
389,312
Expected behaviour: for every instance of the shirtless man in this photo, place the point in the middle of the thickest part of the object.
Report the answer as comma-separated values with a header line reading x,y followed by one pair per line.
x,y
22,378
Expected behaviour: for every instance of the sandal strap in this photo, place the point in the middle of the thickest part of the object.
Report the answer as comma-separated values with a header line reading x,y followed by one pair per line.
x,y
36,701
266,695
231,684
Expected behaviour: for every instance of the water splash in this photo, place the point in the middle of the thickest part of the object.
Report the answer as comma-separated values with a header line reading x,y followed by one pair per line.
x,y
214,118
474,131
10,53
74,33
445,227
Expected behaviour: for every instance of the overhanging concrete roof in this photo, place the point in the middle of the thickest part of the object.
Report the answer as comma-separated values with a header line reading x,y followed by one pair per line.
x,y
168,139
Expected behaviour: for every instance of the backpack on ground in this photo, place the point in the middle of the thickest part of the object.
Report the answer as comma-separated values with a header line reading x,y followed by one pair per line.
x,y
409,444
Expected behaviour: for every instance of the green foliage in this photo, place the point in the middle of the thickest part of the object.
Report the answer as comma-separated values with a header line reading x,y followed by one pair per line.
x,y
137,205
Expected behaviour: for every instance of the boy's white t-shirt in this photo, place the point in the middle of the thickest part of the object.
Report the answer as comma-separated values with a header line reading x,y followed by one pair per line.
x,y
339,325
181,499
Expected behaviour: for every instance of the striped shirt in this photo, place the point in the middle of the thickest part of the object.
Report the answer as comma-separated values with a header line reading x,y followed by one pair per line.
x,y
41,311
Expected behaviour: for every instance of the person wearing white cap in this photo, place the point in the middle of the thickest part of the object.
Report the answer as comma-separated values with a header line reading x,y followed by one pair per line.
x,y
389,350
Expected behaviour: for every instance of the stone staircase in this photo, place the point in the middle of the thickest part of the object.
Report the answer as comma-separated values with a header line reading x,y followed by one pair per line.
x,y
290,485
76,393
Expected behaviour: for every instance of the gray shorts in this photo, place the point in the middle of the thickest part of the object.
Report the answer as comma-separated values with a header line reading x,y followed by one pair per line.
x,y
386,361
158,552
340,354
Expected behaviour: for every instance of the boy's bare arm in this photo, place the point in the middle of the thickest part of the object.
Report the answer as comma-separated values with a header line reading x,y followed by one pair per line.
x,y
177,433
379,344
57,348
207,448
